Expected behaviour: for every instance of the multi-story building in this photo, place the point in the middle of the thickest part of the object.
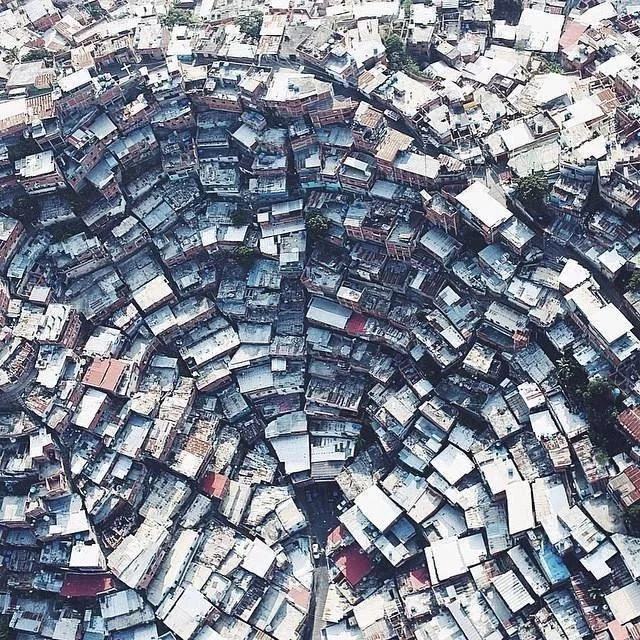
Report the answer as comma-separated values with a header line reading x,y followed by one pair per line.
x,y
481,211
11,233
76,91
173,115
61,326
369,128
403,237
441,211
135,148
150,40
39,173
604,325
291,94
133,114
357,172
324,50
83,152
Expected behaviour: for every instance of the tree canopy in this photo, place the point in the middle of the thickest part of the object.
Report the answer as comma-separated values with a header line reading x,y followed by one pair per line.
x,y
632,518
571,376
397,56
633,283
245,256
22,148
5,630
599,401
251,23
317,225
239,217
597,398
176,16
532,190
24,208
39,53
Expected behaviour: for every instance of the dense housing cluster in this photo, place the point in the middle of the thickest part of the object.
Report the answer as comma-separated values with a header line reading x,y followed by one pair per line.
x,y
319,320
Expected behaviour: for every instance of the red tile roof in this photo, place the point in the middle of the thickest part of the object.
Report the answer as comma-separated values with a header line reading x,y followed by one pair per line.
x,y
571,34
335,536
419,578
214,484
353,564
300,596
86,585
105,374
627,485
355,324
629,422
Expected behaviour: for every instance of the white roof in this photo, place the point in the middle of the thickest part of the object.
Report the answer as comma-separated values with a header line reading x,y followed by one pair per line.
x,y
512,591
89,405
538,30
452,464
86,556
573,274
596,561
259,558
519,507
293,451
417,163
610,322
74,80
329,313
516,136
472,549
613,66
246,136
447,558
596,14
629,548
543,424
551,499
187,613
378,507
453,556
625,602
369,611
477,199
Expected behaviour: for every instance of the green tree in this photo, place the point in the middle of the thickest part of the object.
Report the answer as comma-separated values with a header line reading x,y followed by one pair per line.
x,y
5,629
397,56
39,53
176,16
317,225
508,10
22,148
632,518
251,24
25,209
532,190
599,401
553,67
393,44
239,217
571,375
245,256
96,11
633,283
